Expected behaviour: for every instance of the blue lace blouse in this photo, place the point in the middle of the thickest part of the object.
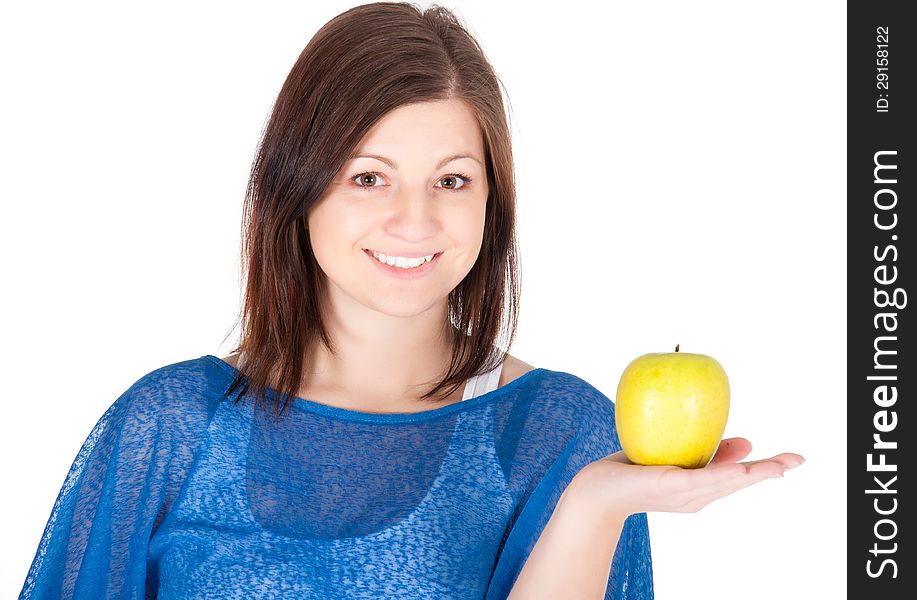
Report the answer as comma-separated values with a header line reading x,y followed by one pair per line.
x,y
179,492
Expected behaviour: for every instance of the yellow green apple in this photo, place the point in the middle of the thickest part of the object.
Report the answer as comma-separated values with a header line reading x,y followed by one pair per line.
x,y
671,409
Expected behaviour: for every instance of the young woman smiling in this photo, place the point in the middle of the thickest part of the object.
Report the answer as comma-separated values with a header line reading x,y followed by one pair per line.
x,y
370,436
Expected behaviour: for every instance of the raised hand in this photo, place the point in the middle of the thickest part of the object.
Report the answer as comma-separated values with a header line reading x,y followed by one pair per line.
x,y
616,488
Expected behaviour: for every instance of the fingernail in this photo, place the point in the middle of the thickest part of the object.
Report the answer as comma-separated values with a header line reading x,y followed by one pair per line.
x,y
796,463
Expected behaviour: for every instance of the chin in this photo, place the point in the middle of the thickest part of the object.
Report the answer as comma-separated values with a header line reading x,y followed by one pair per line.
x,y
407,307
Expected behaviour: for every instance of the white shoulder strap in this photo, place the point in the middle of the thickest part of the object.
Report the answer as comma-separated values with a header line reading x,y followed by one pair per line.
x,y
482,384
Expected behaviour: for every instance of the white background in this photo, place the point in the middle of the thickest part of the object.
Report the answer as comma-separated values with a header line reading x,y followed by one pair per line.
x,y
681,176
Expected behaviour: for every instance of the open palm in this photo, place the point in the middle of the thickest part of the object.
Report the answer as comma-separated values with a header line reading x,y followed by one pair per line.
x,y
620,488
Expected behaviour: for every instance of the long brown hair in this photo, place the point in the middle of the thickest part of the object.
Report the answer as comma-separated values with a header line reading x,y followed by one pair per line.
x,y
359,66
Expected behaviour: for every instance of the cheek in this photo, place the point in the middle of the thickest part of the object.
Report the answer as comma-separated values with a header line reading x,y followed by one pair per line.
x,y
336,223
326,238
473,223
467,232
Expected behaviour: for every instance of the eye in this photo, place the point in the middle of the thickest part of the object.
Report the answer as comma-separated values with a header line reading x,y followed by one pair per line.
x,y
453,181
367,180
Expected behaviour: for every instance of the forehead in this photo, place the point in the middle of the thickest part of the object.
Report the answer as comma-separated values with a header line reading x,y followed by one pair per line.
x,y
433,127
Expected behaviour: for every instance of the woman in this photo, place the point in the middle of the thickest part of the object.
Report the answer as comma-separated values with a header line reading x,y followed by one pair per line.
x,y
368,438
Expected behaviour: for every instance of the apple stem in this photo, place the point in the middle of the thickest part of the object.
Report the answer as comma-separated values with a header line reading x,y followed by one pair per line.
x,y
676,347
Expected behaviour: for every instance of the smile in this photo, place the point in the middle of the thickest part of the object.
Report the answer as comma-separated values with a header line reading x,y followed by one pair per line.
x,y
404,267
402,262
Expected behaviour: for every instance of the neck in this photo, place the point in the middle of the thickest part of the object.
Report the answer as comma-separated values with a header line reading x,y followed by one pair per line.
x,y
381,358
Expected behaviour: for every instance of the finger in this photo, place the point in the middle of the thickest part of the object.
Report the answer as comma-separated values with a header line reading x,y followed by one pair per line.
x,y
690,484
731,450
696,488
757,473
716,474
758,470
786,460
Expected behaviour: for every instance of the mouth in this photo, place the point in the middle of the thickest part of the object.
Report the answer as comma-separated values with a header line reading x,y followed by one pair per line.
x,y
405,272
404,254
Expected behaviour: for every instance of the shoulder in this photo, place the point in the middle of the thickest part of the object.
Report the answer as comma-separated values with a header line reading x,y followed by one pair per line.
x,y
561,414
176,398
576,389
579,393
562,396
231,359
576,398
513,369
591,411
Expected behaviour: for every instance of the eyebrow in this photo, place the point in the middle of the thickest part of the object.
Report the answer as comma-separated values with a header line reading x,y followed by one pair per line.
x,y
393,165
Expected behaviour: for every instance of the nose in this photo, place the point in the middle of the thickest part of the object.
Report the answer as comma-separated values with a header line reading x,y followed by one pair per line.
x,y
414,215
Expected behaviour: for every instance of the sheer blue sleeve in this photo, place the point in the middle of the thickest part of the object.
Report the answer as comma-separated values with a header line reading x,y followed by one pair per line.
x,y
631,576
118,489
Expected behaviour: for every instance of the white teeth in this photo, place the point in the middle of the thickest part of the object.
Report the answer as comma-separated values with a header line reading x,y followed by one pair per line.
x,y
401,261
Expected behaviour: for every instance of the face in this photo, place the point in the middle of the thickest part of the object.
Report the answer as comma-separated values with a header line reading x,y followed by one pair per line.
x,y
415,186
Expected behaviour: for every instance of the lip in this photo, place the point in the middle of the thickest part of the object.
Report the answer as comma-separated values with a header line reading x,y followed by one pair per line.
x,y
405,273
404,254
